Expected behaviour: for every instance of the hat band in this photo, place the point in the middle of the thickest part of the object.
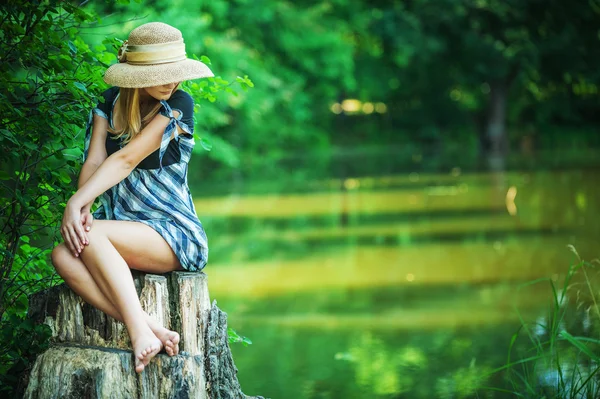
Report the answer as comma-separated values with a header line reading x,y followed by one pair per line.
x,y
148,54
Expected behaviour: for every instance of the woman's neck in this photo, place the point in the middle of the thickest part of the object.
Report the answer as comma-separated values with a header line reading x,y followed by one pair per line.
x,y
146,99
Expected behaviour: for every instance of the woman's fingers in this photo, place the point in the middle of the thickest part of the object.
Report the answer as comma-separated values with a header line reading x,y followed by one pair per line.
x,y
78,228
75,241
72,240
68,240
87,220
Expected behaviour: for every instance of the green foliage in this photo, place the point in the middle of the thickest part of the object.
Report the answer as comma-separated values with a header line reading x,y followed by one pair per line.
x,y
442,63
48,79
22,340
234,337
47,75
438,65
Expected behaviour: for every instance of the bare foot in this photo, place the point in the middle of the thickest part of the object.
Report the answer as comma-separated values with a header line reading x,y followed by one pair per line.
x,y
145,347
170,339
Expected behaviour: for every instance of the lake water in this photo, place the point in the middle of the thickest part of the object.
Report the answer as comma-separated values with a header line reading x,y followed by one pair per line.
x,y
404,284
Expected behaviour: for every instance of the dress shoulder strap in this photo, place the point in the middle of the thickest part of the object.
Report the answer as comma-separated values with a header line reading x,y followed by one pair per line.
x,y
186,145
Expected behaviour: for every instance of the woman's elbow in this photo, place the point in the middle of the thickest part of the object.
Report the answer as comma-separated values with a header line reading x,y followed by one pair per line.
x,y
126,160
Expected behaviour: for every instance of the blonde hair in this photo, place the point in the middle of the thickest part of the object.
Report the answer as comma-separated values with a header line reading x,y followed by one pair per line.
x,y
129,117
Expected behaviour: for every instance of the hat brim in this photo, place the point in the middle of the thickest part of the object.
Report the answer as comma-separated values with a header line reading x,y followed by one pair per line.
x,y
136,76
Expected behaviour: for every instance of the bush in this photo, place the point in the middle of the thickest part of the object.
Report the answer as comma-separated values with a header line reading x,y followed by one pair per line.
x,y
48,81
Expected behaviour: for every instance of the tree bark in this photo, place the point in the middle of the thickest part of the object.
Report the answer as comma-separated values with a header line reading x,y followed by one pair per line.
x,y
220,370
91,354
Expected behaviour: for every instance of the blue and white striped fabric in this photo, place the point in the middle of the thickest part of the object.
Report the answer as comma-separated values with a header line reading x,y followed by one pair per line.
x,y
159,197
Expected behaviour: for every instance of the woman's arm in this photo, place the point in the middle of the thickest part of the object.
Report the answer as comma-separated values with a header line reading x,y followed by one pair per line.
x,y
120,164
113,170
96,152
95,156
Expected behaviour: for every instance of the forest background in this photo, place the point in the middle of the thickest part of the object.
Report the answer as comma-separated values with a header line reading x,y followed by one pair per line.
x,y
309,82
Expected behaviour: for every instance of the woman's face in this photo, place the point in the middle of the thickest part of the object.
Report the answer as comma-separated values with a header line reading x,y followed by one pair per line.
x,y
162,92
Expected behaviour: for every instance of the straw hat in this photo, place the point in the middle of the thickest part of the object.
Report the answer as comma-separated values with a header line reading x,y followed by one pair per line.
x,y
154,55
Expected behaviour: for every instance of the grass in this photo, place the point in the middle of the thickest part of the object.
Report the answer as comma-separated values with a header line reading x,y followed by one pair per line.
x,y
557,356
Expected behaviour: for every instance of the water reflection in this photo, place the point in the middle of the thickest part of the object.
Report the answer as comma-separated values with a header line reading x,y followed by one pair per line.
x,y
394,286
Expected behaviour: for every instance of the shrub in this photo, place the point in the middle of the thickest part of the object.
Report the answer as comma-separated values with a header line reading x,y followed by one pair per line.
x,y
48,84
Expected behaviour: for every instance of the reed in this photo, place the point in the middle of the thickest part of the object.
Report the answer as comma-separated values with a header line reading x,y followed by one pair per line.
x,y
558,355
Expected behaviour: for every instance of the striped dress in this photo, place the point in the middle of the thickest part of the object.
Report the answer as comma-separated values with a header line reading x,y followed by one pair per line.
x,y
156,192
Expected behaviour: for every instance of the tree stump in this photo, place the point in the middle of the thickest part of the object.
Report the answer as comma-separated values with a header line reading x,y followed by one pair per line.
x,y
91,357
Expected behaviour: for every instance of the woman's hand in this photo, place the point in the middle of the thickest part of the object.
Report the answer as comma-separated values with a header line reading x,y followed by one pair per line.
x,y
86,220
72,228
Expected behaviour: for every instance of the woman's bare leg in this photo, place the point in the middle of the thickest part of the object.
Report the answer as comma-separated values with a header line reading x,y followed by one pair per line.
x,y
79,279
141,246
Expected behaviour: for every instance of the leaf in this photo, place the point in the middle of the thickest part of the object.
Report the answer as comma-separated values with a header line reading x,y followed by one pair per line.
x,y
245,82
73,47
234,337
207,145
575,342
9,135
231,91
64,177
80,86
205,59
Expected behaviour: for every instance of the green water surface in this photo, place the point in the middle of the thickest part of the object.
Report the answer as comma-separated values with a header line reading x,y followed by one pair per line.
x,y
398,284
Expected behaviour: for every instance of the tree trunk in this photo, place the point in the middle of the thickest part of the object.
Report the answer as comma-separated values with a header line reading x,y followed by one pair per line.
x,y
91,354
495,130
496,122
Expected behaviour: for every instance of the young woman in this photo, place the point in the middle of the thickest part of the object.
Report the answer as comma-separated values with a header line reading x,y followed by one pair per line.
x,y
135,161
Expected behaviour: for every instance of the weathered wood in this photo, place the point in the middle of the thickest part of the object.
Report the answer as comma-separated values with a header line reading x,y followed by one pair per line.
x,y
74,321
190,307
73,372
92,358
221,373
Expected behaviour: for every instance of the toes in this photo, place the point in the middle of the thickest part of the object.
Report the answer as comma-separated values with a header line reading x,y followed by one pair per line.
x,y
139,367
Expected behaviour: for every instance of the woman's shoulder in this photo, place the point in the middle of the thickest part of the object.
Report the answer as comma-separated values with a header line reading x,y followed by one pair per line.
x,y
182,101
108,97
110,93
180,96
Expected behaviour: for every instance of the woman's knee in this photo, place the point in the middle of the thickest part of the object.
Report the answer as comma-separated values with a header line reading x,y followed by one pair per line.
x,y
65,264
60,257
